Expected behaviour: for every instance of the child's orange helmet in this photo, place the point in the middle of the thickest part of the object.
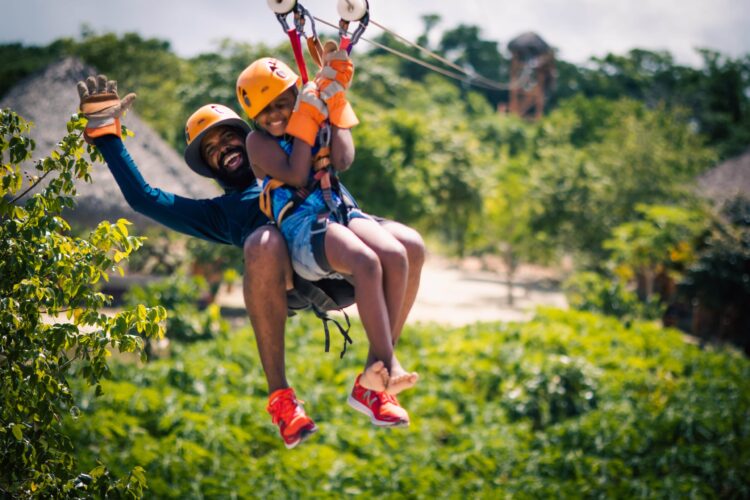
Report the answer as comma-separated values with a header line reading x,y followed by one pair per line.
x,y
199,123
262,82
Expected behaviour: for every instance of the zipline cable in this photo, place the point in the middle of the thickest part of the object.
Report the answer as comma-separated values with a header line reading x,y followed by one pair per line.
x,y
464,76
432,54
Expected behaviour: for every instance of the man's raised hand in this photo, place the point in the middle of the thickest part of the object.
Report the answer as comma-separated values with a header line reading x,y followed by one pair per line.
x,y
102,107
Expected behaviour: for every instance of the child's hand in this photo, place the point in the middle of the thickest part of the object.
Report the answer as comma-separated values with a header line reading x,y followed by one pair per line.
x,y
337,67
309,113
333,80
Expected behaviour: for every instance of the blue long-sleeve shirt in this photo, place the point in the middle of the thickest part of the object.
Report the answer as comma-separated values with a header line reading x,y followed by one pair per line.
x,y
227,219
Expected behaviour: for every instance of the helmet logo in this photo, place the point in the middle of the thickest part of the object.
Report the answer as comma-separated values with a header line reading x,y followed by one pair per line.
x,y
272,65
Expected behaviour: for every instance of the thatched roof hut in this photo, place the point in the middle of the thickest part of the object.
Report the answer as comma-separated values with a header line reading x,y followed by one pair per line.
x,y
49,97
727,180
528,45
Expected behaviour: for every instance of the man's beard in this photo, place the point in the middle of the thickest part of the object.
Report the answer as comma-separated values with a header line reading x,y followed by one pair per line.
x,y
240,177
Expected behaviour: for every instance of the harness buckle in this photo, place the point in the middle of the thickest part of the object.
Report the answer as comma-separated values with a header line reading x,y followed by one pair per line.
x,y
324,135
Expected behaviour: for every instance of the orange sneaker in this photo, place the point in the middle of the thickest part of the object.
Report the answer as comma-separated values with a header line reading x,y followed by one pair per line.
x,y
382,408
286,410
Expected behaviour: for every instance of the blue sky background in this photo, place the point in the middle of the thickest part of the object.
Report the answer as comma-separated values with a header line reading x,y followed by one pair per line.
x,y
577,28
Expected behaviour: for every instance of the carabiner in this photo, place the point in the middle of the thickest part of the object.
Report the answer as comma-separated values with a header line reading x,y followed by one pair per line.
x,y
324,135
352,10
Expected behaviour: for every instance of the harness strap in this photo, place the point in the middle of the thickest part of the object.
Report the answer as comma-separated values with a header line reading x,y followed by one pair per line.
x,y
344,332
266,205
308,295
318,241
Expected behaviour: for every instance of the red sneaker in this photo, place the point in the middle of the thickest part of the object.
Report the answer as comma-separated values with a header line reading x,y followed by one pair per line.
x,y
382,408
286,410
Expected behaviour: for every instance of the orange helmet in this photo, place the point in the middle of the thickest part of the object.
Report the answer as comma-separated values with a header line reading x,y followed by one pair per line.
x,y
262,82
199,123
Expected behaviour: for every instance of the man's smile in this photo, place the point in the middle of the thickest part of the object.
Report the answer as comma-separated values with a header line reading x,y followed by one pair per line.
x,y
231,159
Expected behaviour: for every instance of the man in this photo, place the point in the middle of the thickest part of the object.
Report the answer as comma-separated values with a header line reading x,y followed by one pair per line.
x,y
215,137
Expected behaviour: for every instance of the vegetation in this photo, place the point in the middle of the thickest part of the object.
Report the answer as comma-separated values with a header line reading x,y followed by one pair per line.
x,y
568,405
51,324
180,295
596,403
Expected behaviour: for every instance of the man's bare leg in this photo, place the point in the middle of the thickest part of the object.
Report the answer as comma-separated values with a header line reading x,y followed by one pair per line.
x,y
267,276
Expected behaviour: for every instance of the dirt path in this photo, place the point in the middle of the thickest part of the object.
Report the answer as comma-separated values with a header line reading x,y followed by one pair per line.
x,y
460,293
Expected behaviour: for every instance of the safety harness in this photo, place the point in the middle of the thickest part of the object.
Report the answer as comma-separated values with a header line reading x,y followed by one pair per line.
x,y
320,297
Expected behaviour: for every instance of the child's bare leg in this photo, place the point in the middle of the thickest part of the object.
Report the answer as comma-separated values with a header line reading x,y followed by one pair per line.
x,y
415,254
393,258
349,255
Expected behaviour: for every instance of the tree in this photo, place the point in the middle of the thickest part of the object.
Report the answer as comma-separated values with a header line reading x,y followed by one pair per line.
x,y
465,47
507,207
143,65
660,243
599,159
51,324
718,282
717,94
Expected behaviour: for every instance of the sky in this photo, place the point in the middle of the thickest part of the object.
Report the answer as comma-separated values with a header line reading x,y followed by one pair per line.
x,y
578,29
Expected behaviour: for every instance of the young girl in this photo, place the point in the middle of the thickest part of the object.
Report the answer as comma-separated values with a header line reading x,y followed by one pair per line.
x,y
326,235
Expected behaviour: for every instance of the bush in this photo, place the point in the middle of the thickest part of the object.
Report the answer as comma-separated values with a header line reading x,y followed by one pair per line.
x,y
181,295
594,292
621,412
549,390
51,329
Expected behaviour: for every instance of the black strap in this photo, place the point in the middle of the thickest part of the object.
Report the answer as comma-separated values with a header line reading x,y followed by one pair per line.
x,y
318,241
315,297
344,332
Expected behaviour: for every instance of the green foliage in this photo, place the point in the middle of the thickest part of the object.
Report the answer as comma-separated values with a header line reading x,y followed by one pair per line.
x,y
715,93
504,226
133,62
162,253
568,405
665,233
598,160
417,160
549,390
719,278
216,263
18,62
605,294
179,295
51,326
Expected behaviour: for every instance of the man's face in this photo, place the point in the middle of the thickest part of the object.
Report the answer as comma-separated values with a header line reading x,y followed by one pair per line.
x,y
223,149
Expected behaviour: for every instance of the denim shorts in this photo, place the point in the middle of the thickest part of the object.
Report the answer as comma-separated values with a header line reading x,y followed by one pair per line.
x,y
297,229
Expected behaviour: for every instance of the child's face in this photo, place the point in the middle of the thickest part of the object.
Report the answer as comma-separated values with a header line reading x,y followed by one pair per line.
x,y
274,117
